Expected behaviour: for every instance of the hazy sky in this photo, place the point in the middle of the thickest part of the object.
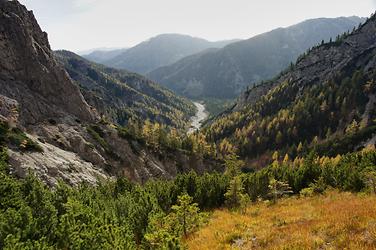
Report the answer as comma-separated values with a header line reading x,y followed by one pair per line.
x,y
84,24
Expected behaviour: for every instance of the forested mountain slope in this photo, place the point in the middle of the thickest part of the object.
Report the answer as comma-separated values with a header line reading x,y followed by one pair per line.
x,y
224,73
122,95
325,101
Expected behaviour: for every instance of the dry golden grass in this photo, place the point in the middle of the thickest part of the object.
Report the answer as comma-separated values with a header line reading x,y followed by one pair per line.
x,y
332,221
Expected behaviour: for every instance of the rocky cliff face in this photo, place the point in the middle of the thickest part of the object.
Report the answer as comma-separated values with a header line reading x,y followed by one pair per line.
x,y
29,72
37,92
38,97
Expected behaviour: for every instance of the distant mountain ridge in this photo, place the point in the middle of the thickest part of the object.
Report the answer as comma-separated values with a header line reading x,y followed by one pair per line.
x,y
225,72
100,56
160,51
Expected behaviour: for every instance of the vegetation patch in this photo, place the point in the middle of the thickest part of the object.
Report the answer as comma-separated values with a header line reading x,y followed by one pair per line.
x,y
345,143
14,137
336,220
216,106
98,134
161,139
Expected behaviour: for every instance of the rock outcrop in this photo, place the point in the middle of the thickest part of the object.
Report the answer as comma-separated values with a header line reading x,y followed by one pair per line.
x,y
55,164
29,72
8,110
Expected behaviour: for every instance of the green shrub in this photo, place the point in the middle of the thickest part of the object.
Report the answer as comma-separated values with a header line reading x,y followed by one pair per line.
x,y
306,192
16,138
319,186
97,133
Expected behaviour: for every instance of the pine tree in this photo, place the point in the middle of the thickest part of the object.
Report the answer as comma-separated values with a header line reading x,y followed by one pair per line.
x,y
315,140
161,233
370,180
235,195
352,128
275,156
187,214
233,165
277,189
279,138
300,147
328,133
286,159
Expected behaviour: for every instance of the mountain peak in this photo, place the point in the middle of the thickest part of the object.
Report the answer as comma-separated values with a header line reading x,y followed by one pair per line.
x,y
161,50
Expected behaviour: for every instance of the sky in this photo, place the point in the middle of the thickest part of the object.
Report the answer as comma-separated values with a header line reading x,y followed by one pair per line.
x,y
79,25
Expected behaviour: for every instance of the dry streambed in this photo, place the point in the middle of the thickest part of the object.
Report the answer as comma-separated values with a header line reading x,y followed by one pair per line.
x,y
199,118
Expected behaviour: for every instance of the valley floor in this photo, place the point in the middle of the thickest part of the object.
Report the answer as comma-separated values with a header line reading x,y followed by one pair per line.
x,y
199,118
332,221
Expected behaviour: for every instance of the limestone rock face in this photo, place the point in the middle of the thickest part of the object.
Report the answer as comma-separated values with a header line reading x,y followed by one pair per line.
x,y
29,72
35,91
8,110
55,164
